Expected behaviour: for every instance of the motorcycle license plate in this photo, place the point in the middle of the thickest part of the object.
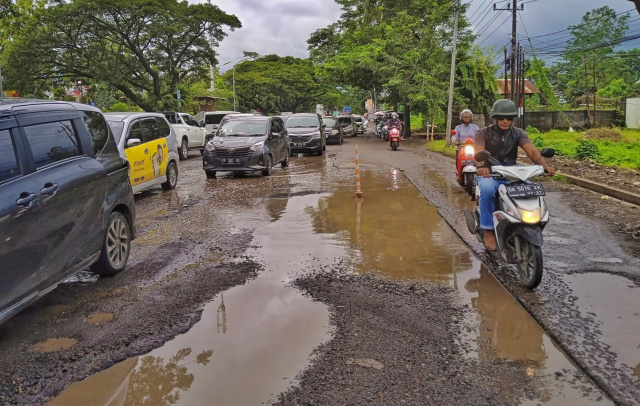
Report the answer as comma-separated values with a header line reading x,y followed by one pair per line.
x,y
525,190
472,162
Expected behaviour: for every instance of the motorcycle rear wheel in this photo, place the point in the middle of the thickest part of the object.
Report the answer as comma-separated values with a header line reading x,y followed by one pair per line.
x,y
530,266
394,145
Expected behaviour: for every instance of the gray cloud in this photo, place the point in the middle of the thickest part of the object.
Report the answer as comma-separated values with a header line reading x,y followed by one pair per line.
x,y
273,27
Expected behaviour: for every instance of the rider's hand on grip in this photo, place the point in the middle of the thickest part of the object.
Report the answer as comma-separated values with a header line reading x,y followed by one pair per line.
x,y
484,172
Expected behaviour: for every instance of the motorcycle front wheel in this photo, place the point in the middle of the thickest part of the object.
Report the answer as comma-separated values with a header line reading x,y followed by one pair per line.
x,y
470,185
394,145
530,264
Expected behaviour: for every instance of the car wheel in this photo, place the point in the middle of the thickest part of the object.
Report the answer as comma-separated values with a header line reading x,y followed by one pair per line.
x,y
115,248
269,170
210,174
172,177
285,161
201,151
321,152
184,149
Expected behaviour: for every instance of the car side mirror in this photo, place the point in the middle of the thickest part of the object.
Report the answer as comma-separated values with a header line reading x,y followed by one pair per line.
x,y
132,142
275,135
548,152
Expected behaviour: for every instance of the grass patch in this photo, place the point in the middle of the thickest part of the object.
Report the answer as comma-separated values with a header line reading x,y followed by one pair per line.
x,y
441,147
624,153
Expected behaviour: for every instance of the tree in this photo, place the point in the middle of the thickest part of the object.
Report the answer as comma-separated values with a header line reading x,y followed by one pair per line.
x,y
143,48
274,84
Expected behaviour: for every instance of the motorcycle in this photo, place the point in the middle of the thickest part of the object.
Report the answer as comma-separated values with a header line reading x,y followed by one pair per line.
x,y
385,132
521,215
466,166
394,138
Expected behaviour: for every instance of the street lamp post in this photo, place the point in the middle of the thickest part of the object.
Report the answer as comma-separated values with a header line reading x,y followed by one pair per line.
x,y
234,80
212,76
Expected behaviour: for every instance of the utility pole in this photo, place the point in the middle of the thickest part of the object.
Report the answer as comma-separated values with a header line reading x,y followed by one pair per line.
x,y
512,57
454,51
1,78
586,89
213,82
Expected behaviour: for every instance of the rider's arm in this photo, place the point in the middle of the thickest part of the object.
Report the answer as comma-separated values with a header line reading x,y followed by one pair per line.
x,y
479,145
536,157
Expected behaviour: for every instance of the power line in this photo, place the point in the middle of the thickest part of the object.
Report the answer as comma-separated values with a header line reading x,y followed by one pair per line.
x,y
494,31
477,9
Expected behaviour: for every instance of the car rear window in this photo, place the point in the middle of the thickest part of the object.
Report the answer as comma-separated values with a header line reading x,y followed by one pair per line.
x,y
213,118
8,160
98,129
329,122
344,120
52,142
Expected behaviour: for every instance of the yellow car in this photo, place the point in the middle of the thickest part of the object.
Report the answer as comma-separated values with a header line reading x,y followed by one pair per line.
x,y
149,143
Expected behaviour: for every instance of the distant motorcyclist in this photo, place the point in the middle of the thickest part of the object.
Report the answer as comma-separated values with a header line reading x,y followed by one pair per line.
x,y
465,130
502,141
394,121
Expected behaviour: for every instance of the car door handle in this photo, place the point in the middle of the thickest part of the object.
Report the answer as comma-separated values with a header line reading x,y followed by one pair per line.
x,y
146,151
49,189
26,199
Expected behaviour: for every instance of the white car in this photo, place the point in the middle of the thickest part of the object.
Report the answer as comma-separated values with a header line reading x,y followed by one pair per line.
x,y
188,132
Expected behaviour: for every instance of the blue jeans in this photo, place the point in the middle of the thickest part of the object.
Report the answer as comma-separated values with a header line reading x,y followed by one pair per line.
x,y
487,201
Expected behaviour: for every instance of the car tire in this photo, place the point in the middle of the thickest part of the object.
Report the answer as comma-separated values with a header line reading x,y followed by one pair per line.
x,y
201,151
184,149
115,247
321,152
210,174
285,161
269,170
172,176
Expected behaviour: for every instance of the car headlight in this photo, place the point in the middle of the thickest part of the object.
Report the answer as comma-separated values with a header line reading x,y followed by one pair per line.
x,y
210,146
468,150
531,217
257,146
316,134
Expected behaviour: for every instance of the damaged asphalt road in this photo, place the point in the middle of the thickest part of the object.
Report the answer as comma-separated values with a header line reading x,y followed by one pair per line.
x,y
285,290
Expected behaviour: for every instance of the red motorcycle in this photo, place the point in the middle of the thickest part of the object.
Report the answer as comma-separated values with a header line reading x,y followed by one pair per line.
x,y
466,166
394,138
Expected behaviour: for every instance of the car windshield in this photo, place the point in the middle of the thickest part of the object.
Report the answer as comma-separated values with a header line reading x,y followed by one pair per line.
x,y
237,128
344,120
329,122
358,119
116,129
299,122
213,118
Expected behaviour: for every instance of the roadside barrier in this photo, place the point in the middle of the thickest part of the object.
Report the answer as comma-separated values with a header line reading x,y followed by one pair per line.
x,y
358,189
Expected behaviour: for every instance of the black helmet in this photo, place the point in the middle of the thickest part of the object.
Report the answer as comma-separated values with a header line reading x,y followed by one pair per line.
x,y
504,107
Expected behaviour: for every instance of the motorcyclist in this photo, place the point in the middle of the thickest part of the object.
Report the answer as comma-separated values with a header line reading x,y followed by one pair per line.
x,y
394,121
502,140
465,130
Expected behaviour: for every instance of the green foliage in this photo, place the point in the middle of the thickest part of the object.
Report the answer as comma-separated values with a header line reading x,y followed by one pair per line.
x,y
118,107
441,146
143,48
586,149
531,130
538,142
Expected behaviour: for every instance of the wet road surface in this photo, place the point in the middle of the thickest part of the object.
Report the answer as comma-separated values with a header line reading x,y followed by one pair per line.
x,y
253,341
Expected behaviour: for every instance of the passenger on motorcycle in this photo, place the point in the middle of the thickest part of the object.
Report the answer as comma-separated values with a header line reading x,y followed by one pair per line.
x,y
465,130
502,141
394,121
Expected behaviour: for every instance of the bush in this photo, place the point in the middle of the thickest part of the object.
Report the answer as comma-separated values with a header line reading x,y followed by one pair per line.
x,y
118,107
587,149
538,142
531,130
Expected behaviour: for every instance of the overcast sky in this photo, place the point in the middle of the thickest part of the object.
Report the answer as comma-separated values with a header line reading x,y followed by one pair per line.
x,y
283,26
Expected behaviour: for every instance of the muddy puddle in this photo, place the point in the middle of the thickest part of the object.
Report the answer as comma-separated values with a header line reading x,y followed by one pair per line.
x,y
253,340
54,344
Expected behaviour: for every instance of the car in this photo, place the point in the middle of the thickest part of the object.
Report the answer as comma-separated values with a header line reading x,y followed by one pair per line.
x,y
212,119
149,143
359,123
348,125
66,203
189,133
333,130
245,143
284,118
306,133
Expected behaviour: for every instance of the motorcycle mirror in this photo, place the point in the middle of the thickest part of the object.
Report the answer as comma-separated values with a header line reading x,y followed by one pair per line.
x,y
453,132
548,152
482,155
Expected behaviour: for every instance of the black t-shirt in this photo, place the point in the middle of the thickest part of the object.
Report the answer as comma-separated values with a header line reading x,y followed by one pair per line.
x,y
503,148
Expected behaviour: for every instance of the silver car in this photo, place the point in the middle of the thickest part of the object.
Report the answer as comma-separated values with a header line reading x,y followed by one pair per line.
x,y
149,143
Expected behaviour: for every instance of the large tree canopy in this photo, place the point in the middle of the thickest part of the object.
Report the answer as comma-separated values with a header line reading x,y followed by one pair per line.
x,y
144,48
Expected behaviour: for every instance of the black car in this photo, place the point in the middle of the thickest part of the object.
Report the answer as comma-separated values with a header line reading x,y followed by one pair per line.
x,y
333,130
306,133
245,143
65,198
348,124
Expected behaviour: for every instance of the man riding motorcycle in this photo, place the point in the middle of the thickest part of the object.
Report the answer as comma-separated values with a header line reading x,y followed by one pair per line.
x,y
502,141
394,121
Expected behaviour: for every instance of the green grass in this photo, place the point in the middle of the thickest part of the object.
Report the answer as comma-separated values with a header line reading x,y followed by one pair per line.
x,y
624,154
441,147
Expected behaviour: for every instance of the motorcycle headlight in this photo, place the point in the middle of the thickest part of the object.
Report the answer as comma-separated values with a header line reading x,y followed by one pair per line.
x,y
210,147
531,217
469,151
258,146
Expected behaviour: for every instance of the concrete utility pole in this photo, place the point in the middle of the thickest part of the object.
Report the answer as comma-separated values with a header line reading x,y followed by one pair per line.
x,y
512,57
1,78
454,51
213,82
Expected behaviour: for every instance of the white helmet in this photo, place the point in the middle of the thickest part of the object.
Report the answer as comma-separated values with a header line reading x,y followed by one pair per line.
x,y
466,111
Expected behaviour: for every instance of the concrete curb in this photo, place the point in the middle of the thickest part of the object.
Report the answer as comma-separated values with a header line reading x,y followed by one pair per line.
x,y
603,189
